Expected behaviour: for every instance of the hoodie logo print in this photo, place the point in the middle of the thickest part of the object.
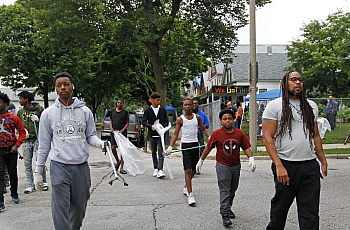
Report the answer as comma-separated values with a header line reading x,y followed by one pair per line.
x,y
70,129
231,147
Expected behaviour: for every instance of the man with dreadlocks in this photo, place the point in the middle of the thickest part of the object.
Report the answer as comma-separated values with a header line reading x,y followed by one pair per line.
x,y
292,119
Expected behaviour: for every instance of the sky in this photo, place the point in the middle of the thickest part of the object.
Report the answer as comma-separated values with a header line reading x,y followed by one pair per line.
x,y
280,21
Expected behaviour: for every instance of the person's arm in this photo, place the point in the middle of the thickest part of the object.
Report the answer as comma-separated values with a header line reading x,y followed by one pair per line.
x,y
111,125
205,121
179,123
319,150
201,126
269,127
236,116
126,126
202,158
145,118
44,137
22,134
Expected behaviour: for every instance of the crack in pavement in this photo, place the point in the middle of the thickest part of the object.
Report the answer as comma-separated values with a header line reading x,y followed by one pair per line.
x,y
154,214
95,187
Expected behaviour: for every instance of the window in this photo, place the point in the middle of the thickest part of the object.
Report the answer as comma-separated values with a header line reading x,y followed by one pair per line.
x,y
262,90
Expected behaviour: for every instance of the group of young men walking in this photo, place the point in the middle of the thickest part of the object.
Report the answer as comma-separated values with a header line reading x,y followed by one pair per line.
x,y
66,128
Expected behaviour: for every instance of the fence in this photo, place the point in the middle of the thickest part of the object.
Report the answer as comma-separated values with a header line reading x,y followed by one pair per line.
x,y
212,110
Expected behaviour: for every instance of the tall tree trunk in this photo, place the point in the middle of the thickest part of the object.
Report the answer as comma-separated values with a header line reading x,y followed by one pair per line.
x,y
161,83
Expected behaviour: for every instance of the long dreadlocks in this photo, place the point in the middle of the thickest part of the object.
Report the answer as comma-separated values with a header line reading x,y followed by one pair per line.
x,y
287,115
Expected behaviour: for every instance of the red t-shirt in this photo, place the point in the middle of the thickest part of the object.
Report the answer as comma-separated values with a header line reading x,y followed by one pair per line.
x,y
228,145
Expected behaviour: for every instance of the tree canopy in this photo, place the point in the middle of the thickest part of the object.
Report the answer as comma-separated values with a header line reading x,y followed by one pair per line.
x,y
322,56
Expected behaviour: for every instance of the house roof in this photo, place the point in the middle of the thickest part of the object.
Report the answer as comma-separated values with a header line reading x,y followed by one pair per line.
x,y
270,64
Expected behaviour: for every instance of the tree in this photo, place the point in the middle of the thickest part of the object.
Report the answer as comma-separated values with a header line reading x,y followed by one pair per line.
x,y
213,24
322,56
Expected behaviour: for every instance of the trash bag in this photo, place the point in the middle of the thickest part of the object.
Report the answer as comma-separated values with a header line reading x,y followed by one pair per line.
x,y
161,131
133,161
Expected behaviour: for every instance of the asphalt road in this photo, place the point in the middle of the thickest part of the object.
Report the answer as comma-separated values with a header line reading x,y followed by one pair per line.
x,y
151,203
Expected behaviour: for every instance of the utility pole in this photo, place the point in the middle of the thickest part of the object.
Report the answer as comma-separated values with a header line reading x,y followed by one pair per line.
x,y
253,80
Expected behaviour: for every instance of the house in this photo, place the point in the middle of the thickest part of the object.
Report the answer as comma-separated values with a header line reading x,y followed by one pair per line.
x,y
14,98
230,81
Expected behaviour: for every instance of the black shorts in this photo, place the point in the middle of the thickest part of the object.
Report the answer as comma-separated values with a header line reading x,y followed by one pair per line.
x,y
113,142
190,157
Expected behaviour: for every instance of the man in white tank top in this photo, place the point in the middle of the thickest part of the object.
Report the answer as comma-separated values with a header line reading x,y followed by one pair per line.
x,y
188,123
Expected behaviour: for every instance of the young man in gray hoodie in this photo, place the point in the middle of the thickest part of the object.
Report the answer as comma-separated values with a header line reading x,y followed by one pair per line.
x,y
65,130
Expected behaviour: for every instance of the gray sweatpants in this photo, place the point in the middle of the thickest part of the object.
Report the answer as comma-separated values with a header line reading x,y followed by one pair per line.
x,y
228,178
70,193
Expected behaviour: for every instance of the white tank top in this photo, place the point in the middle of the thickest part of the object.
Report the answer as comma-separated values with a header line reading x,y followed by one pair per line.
x,y
189,129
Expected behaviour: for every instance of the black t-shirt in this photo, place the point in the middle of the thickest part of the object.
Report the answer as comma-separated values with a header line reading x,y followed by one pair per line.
x,y
119,118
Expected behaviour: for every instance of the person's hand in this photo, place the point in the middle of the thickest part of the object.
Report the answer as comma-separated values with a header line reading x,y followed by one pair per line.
x,y
35,118
153,127
101,144
168,151
38,181
14,149
252,164
282,175
199,165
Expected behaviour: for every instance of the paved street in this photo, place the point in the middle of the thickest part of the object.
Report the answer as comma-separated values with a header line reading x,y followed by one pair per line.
x,y
151,203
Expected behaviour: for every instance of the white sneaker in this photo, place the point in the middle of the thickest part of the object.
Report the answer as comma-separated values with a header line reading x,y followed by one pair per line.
x,y
191,199
155,173
29,190
160,174
185,191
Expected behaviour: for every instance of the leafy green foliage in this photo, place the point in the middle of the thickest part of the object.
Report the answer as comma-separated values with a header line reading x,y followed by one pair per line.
x,y
323,56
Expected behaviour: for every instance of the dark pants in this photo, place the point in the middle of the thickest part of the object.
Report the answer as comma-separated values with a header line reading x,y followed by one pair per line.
x,y
9,160
70,194
228,180
154,143
331,120
201,142
304,185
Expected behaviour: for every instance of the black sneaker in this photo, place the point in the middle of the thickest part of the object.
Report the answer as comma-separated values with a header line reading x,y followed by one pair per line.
x,y
15,198
122,171
232,215
2,207
226,220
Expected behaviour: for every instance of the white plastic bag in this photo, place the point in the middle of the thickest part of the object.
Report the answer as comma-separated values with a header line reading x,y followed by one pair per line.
x,y
161,131
133,161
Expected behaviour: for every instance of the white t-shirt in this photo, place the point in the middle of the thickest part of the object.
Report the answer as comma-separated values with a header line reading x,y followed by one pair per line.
x,y
298,147
155,110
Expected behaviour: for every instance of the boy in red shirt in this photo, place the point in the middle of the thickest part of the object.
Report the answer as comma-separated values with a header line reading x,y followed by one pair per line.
x,y
8,148
228,141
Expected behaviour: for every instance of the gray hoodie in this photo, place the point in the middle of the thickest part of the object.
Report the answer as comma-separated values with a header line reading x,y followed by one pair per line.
x,y
64,134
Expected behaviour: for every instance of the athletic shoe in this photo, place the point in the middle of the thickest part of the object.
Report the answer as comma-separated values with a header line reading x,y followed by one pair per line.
x,y
29,190
15,198
2,207
45,186
160,174
232,215
185,191
122,171
226,221
155,173
191,199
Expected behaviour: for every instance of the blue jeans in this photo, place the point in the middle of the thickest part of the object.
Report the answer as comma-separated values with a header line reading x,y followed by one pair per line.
x,y
30,148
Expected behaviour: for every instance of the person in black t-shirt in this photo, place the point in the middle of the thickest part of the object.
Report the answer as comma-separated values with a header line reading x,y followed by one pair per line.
x,y
119,122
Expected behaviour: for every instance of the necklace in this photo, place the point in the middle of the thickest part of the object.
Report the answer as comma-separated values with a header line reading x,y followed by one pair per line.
x,y
298,110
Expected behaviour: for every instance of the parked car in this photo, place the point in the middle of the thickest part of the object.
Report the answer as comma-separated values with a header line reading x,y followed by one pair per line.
x,y
135,128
